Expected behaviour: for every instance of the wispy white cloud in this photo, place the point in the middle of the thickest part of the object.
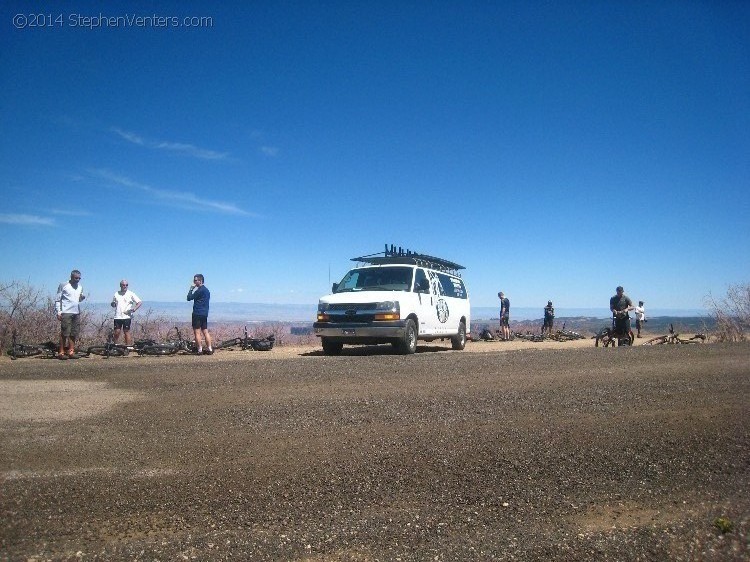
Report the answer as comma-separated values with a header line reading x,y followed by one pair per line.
x,y
181,199
26,220
189,149
69,213
269,150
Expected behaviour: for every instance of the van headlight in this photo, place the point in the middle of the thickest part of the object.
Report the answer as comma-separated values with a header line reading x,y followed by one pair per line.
x,y
388,310
323,312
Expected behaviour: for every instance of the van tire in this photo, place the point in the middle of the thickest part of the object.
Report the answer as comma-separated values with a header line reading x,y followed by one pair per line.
x,y
331,347
458,342
408,344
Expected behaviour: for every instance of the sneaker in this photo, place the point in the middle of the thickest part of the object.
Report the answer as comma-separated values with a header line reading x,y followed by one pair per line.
x,y
62,356
208,352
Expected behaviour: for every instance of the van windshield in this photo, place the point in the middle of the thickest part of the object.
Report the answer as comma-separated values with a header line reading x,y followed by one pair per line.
x,y
376,279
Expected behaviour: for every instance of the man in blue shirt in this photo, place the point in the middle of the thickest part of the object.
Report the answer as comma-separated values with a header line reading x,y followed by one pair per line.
x,y
200,295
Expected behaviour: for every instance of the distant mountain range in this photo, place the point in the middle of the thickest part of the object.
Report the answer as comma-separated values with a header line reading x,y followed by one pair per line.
x,y
260,312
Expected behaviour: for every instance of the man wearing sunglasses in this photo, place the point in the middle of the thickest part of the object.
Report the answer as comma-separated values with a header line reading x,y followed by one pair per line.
x,y
68,313
125,302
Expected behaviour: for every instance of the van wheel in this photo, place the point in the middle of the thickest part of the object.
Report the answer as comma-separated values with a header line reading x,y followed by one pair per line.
x,y
408,343
458,342
331,347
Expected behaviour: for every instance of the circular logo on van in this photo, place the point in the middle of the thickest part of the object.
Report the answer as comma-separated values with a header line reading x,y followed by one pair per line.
x,y
442,311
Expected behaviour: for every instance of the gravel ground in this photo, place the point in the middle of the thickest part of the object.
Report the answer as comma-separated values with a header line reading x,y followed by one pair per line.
x,y
494,453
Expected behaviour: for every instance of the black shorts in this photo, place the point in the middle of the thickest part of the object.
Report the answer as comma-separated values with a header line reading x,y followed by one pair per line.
x,y
637,324
200,322
548,322
123,323
504,320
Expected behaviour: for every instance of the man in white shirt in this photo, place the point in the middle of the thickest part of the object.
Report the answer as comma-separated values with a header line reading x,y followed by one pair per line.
x,y
68,313
640,317
125,302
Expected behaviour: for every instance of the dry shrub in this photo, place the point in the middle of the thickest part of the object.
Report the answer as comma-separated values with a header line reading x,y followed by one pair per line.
x,y
26,310
732,313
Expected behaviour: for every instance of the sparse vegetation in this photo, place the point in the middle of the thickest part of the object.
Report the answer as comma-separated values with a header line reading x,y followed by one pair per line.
x,y
724,525
28,311
732,313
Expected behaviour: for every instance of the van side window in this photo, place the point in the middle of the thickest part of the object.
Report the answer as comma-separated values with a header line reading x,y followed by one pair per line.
x,y
452,286
421,284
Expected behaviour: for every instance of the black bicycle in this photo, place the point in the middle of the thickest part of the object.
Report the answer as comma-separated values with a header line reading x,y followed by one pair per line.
x,y
19,350
168,348
109,349
247,343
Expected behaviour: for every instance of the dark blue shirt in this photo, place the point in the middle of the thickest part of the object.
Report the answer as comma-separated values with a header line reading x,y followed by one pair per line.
x,y
200,298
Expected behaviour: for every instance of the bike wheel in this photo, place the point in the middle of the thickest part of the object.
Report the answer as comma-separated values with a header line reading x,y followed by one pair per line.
x,y
20,351
159,349
234,342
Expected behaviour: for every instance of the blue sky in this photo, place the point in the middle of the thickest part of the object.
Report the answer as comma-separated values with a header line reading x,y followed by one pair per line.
x,y
556,149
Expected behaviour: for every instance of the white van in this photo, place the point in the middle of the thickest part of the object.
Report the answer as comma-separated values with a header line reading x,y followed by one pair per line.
x,y
396,297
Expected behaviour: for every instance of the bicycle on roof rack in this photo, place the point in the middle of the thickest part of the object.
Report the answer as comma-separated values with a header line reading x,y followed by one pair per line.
x,y
673,338
247,343
19,350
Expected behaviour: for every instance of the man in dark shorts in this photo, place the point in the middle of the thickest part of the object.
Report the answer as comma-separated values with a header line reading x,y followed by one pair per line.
x,y
620,305
68,313
125,302
200,295
549,318
504,316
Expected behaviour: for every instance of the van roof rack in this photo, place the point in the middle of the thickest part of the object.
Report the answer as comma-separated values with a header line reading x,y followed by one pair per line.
x,y
394,255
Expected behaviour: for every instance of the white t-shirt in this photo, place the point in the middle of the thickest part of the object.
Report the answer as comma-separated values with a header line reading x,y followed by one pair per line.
x,y
67,299
125,303
640,313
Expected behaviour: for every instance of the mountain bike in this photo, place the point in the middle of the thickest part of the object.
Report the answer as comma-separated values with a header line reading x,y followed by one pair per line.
x,y
19,350
528,336
168,348
566,335
246,342
110,348
611,337
672,338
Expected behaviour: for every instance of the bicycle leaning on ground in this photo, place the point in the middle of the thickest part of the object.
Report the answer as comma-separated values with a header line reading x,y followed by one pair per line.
x,y
19,350
565,335
168,348
110,348
246,342
672,338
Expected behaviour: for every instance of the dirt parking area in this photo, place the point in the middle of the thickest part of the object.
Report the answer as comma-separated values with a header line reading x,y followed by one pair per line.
x,y
505,451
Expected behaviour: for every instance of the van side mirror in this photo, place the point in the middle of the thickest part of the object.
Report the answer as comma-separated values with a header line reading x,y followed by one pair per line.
x,y
334,287
423,286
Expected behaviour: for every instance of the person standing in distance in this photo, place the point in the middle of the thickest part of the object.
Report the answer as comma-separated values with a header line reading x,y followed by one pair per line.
x,y
549,318
620,305
200,295
640,317
504,316
68,313
125,302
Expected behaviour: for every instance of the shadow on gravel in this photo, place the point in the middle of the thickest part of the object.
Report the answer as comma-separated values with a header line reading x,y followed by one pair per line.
x,y
362,350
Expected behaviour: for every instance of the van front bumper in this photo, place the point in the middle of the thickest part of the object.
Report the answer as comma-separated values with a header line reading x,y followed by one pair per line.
x,y
357,332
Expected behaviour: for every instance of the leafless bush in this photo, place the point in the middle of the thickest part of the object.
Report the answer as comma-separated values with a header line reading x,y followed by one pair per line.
x,y
27,311
732,313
